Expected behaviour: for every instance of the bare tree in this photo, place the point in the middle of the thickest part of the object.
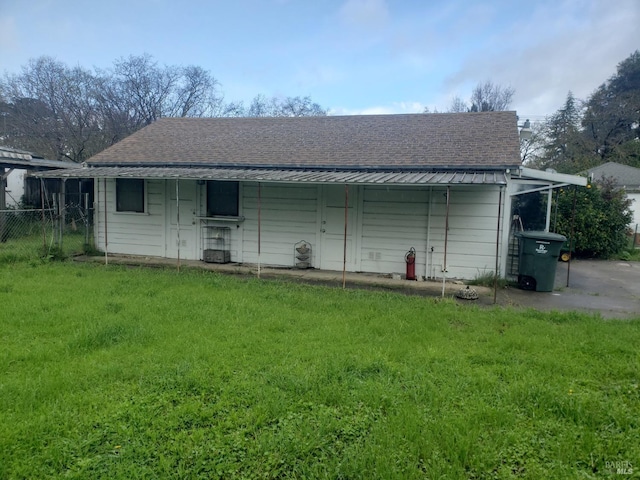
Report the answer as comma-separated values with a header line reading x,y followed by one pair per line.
x,y
73,113
148,86
262,106
458,105
489,97
50,109
485,97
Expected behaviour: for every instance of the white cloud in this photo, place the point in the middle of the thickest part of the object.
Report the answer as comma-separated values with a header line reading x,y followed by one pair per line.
x,y
317,75
364,13
570,45
393,108
9,42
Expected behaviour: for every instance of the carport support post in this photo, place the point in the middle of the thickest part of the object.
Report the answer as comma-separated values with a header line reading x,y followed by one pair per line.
x,y
446,239
63,207
495,277
106,241
178,218
549,202
259,223
344,248
428,260
573,217
44,229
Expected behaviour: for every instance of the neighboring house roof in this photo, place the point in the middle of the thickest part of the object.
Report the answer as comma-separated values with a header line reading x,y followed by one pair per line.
x,y
486,140
623,175
13,153
14,158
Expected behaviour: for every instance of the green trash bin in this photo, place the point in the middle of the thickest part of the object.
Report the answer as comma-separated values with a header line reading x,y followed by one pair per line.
x,y
538,259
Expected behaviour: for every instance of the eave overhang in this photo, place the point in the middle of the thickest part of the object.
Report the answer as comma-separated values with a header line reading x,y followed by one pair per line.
x,y
557,179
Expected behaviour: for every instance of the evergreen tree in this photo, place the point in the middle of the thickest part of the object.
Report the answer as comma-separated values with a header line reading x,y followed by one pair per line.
x,y
565,149
602,217
612,116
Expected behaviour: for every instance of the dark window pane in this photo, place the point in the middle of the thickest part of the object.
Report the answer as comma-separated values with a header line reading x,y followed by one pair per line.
x,y
129,195
222,198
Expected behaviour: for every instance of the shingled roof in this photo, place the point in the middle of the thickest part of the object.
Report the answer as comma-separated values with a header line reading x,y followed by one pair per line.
x,y
623,175
487,140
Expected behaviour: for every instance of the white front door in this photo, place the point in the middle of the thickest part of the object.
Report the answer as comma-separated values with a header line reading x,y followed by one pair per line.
x,y
182,234
333,243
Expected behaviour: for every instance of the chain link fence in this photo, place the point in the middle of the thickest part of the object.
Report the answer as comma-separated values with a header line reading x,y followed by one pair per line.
x,y
57,230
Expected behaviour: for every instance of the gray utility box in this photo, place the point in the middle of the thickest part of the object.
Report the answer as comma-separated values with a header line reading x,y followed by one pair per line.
x,y
216,256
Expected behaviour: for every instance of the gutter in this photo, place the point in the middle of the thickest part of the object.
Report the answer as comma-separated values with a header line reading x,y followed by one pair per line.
x,y
336,168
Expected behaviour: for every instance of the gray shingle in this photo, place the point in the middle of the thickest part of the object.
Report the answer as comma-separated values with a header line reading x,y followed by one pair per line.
x,y
623,175
488,140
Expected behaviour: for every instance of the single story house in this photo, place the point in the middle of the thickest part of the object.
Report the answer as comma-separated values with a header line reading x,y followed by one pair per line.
x,y
625,177
356,192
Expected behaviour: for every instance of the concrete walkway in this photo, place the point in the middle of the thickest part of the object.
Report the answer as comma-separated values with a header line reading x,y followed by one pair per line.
x,y
610,289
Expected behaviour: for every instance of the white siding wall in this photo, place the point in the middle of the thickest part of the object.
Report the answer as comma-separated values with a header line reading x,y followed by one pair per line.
x,y
635,209
132,233
471,243
395,219
289,214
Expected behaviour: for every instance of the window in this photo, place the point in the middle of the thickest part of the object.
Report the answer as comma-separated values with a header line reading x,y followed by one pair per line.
x,y
130,195
222,198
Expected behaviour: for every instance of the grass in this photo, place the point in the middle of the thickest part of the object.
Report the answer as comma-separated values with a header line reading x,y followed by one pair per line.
x,y
33,247
488,279
630,255
133,373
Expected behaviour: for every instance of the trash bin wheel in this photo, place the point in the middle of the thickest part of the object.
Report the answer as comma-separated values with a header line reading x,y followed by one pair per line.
x,y
526,282
565,256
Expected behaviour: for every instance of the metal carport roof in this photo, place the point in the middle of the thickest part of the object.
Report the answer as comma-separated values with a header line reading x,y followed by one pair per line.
x,y
393,177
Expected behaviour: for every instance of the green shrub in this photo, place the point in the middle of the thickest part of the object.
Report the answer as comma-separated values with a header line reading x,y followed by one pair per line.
x,y
601,218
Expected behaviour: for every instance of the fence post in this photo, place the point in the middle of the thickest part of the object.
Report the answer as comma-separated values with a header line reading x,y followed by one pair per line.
x,y
63,207
3,206
61,217
86,219
44,230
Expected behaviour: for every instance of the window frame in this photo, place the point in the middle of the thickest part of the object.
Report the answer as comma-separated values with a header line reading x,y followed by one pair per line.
x,y
141,182
210,192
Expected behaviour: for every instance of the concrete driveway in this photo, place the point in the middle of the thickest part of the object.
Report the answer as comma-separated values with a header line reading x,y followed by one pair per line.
x,y
610,288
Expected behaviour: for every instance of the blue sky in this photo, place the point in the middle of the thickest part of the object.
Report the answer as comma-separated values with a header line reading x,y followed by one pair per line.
x,y
351,56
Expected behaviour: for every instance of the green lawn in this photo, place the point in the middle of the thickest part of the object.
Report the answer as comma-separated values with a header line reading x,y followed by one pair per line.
x,y
109,372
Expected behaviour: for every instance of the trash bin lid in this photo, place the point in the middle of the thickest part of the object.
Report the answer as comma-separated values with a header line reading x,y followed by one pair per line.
x,y
541,235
